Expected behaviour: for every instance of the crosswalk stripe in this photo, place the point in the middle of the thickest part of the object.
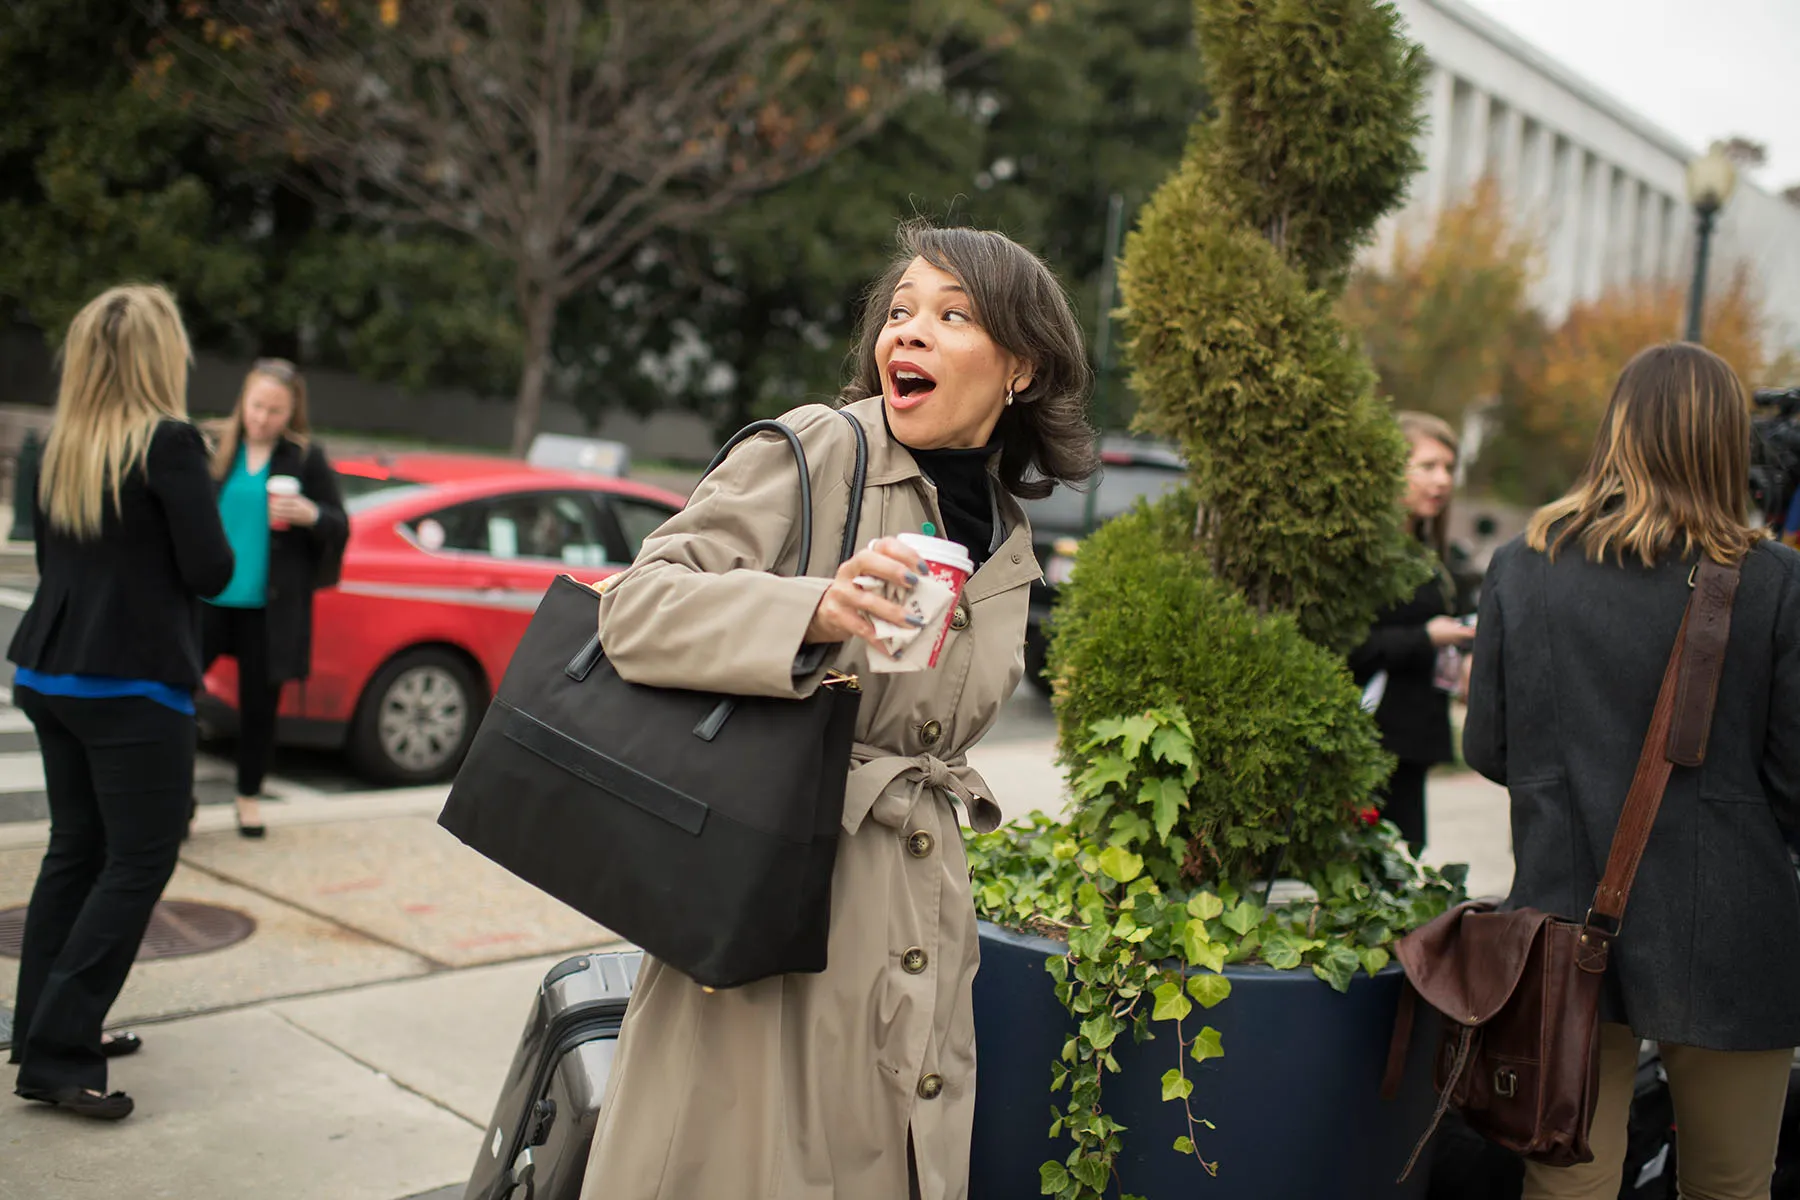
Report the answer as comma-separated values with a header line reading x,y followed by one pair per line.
x,y
14,721
14,598
21,771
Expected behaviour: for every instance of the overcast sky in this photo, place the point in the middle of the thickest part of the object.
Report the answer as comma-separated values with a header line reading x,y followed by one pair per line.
x,y
1701,69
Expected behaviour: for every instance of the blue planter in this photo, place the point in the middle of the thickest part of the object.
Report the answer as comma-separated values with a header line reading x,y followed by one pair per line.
x,y
1296,1097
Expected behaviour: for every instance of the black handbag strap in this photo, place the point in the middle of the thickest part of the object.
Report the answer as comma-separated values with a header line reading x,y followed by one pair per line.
x,y
858,480
810,658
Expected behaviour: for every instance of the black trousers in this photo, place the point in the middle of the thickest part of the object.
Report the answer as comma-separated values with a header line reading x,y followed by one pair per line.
x,y
119,774
243,633
1403,802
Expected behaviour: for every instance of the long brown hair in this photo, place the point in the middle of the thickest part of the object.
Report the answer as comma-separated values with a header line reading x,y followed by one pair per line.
x,y
1670,466
1423,427
228,434
1045,438
124,371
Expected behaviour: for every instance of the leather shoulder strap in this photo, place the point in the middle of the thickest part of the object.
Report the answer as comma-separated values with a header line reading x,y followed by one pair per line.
x,y
1678,731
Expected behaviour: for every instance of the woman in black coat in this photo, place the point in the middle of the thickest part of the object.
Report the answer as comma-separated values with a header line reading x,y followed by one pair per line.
x,y
1405,645
1577,621
284,514
128,540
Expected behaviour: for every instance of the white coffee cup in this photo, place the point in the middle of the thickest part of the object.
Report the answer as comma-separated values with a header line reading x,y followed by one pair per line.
x,y
282,485
949,563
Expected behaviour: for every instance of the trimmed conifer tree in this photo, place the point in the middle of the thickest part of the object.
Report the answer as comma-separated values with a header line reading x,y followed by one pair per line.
x,y
1230,283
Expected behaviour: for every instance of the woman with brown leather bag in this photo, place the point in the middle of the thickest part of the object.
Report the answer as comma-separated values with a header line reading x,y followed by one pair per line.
x,y
1576,620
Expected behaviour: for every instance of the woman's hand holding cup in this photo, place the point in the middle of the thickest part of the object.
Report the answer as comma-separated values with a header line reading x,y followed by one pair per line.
x,y
845,609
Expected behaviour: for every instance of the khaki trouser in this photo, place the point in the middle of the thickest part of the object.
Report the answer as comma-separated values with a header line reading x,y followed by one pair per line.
x,y
1727,1117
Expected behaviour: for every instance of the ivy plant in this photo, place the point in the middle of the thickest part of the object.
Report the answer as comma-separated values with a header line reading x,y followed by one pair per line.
x,y
1148,943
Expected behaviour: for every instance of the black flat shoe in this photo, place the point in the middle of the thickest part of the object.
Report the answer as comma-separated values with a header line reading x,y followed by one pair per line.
x,y
118,1045
83,1102
250,831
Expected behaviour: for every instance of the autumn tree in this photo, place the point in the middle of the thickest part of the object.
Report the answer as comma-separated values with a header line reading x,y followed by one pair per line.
x,y
1449,310
563,135
1558,387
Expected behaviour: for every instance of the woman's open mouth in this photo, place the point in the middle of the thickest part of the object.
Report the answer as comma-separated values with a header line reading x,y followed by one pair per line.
x,y
908,386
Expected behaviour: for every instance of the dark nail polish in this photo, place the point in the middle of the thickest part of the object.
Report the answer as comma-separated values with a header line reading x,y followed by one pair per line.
x,y
912,580
915,620
924,566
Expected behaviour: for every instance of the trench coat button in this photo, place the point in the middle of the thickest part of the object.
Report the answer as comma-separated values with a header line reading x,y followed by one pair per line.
x,y
931,1087
930,732
913,962
918,843
1018,558
960,618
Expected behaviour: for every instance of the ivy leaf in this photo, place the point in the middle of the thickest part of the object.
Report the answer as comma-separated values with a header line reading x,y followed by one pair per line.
x,y
1104,731
1100,1030
1171,746
1374,959
1245,917
1206,906
1338,967
1209,990
1052,1178
1105,772
1208,1045
1166,798
1280,951
1121,864
1176,1086
1135,731
1127,828
1200,950
1092,1171
1184,1144
1171,1005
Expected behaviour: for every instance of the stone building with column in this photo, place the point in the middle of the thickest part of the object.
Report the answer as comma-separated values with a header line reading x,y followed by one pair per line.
x,y
1603,187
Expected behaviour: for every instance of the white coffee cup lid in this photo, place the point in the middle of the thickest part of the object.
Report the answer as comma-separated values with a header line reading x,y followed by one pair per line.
x,y
933,549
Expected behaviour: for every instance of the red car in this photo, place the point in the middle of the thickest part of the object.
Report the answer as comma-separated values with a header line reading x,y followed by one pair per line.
x,y
447,559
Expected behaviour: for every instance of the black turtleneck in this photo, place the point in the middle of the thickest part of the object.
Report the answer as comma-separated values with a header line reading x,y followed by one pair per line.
x,y
965,492
965,495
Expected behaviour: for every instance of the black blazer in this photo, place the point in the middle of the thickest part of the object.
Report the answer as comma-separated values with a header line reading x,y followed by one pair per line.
x,y
300,560
127,604
1414,716
1568,663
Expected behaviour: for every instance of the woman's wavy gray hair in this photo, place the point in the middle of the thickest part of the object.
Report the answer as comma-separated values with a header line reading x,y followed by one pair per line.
x,y
1045,437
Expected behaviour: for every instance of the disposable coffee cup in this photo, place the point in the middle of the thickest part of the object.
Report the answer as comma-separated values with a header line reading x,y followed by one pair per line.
x,y
951,565
282,485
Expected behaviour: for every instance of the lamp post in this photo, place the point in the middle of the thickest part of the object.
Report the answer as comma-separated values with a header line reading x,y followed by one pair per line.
x,y
1711,179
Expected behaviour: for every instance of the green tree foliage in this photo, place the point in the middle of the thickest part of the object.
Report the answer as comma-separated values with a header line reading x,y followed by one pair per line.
x,y
1229,293
754,313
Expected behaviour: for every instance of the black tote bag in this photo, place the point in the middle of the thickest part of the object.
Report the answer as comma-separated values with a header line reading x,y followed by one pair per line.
x,y
702,827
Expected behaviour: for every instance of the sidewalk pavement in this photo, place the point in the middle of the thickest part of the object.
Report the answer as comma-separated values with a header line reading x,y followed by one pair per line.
x,y
353,1046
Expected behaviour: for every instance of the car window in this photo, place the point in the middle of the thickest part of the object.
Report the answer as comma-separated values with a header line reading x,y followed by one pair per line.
x,y
638,519
546,526
1120,487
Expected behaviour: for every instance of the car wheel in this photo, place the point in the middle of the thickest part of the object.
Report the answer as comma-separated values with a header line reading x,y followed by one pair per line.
x,y
416,719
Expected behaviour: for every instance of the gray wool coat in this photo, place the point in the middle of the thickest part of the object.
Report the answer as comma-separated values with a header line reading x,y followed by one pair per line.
x,y
1568,662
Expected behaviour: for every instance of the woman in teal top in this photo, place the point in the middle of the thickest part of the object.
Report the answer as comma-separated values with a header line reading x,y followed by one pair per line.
x,y
284,517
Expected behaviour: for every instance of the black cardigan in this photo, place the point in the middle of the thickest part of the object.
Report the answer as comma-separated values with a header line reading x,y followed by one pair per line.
x,y
127,604
300,560
1414,716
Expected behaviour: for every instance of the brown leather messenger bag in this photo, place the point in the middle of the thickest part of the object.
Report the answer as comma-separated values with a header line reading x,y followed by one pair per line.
x,y
1520,991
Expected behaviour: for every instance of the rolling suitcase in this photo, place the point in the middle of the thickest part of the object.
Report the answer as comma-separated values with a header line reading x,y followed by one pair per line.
x,y
537,1144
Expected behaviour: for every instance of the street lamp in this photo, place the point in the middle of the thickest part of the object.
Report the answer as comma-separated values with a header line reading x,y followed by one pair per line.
x,y
1710,181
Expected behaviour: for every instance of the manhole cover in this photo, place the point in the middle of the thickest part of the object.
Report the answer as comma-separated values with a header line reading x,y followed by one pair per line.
x,y
177,928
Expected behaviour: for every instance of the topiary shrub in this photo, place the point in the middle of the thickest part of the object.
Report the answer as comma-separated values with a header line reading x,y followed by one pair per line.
x,y
1209,723
1287,755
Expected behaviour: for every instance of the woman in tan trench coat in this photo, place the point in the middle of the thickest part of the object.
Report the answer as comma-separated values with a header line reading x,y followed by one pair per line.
x,y
857,1083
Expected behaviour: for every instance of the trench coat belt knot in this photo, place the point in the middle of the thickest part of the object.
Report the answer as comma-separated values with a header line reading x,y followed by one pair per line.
x,y
873,771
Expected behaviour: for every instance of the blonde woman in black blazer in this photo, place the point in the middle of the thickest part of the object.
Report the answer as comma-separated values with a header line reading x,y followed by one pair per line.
x,y
108,659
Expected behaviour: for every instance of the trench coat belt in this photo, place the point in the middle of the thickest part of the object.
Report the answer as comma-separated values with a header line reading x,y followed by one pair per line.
x,y
873,770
